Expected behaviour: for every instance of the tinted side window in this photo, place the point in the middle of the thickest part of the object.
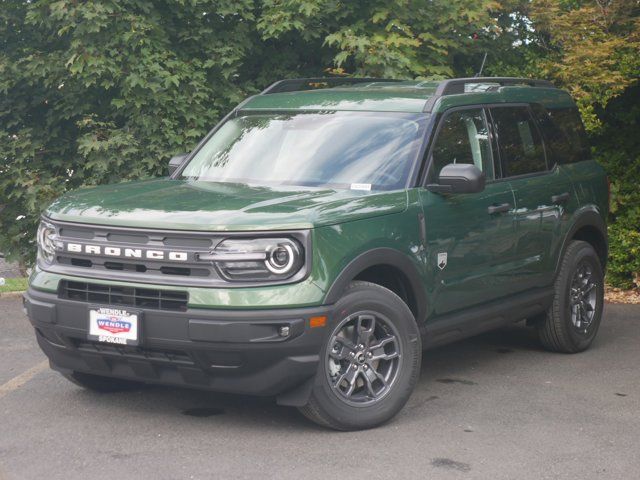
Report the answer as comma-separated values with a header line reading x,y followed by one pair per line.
x,y
521,147
564,134
463,138
575,146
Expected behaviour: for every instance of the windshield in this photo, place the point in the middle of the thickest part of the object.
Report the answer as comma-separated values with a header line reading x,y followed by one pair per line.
x,y
357,150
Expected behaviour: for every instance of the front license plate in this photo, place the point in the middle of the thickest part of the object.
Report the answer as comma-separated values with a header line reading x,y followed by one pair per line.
x,y
113,325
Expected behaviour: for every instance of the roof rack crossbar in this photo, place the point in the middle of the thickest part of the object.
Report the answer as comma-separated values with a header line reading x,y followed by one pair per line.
x,y
297,84
456,85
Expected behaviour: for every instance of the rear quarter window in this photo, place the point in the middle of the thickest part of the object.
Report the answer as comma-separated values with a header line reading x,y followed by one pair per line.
x,y
564,133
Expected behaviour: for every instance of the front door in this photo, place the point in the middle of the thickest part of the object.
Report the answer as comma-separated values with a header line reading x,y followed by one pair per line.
x,y
470,237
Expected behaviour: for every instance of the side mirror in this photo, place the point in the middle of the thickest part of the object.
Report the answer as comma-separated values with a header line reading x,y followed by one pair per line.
x,y
176,161
459,178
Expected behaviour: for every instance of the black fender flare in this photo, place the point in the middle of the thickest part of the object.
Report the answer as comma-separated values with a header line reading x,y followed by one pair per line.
x,y
299,396
382,256
588,216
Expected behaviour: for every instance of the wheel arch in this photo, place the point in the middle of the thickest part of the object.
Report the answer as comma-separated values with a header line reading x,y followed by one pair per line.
x,y
389,268
588,226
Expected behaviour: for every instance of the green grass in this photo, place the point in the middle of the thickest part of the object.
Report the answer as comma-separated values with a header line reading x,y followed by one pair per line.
x,y
14,285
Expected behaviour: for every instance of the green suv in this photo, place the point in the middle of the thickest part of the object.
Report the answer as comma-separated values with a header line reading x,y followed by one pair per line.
x,y
323,235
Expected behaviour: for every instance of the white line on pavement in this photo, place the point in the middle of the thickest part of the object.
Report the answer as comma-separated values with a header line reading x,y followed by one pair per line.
x,y
24,377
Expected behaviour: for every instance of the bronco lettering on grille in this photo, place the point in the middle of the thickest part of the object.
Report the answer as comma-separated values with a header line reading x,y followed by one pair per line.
x,y
126,252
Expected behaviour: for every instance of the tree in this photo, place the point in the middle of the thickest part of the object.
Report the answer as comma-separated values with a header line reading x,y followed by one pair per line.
x,y
593,49
393,39
103,91
97,92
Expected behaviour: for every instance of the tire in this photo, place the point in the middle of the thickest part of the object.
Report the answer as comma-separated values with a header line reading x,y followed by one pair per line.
x,y
97,383
559,331
384,375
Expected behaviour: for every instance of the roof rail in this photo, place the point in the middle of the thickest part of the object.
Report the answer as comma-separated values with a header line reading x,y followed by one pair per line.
x,y
456,85
297,84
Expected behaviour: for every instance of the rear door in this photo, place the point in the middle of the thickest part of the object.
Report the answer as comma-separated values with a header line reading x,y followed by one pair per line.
x,y
470,237
542,192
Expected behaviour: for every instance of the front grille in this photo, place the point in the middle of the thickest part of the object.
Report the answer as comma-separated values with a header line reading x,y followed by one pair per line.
x,y
133,267
171,258
125,296
128,259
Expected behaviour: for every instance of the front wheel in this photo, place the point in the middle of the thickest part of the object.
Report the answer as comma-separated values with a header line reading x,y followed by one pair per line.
x,y
370,362
572,321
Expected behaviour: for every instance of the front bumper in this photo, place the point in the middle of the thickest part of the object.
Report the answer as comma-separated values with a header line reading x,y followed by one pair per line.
x,y
237,351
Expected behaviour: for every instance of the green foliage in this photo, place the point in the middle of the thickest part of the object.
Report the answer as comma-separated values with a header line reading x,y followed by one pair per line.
x,y
383,38
624,254
618,149
102,91
14,285
592,48
97,92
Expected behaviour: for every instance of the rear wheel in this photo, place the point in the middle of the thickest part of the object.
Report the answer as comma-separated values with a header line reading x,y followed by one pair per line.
x,y
572,321
370,361
101,384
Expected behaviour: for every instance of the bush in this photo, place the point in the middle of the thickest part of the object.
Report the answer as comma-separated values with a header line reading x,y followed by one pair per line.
x,y
104,91
624,256
617,148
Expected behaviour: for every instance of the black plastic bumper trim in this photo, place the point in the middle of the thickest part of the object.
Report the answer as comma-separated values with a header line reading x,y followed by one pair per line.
x,y
239,351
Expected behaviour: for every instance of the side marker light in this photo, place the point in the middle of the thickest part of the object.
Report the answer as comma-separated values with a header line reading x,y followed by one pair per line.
x,y
315,322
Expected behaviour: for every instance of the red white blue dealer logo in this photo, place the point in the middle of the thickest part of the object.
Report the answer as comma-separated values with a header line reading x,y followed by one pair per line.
x,y
113,325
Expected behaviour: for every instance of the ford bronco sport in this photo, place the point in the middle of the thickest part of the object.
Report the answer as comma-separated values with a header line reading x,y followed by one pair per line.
x,y
323,235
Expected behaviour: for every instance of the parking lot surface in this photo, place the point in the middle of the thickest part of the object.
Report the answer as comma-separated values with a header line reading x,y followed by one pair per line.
x,y
492,407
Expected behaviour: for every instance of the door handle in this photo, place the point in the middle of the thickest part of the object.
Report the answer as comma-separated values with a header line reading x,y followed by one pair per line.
x,y
504,207
560,198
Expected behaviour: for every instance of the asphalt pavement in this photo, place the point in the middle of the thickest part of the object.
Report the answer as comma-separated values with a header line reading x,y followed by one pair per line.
x,y
493,407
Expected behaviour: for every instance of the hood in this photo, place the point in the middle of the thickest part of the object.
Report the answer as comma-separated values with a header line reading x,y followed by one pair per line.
x,y
192,205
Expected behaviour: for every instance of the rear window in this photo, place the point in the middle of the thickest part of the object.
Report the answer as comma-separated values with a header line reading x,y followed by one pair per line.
x,y
565,134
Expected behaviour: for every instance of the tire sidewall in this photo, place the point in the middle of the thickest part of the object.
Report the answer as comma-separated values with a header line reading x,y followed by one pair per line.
x,y
365,298
584,253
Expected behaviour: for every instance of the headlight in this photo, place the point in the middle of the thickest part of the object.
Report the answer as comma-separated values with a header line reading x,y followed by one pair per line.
x,y
47,236
257,259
